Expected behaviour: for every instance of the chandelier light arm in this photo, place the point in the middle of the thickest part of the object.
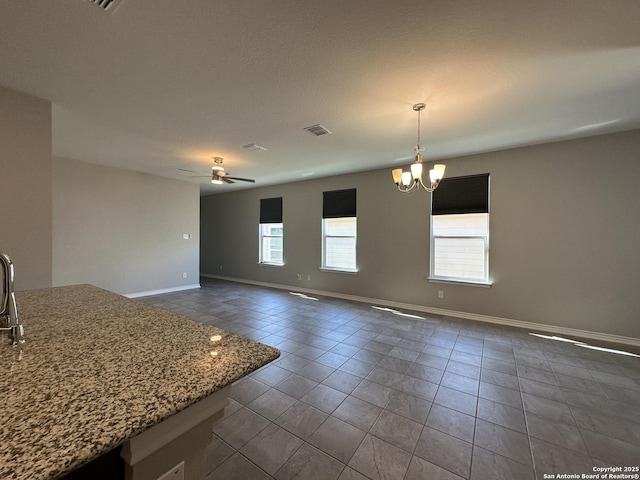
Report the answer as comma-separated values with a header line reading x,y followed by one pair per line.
x,y
407,189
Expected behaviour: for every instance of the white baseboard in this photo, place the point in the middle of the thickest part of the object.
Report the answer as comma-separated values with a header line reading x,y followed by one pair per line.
x,y
540,327
162,290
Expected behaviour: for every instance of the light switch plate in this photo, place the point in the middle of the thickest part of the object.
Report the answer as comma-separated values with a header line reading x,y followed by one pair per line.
x,y
176,473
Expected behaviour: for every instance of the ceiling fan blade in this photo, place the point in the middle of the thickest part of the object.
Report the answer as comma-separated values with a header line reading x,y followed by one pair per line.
x,y
242,179
185,170
227,180
199,176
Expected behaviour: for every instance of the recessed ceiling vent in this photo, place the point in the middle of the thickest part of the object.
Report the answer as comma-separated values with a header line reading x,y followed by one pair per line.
x,y
253,147
317,130
106,5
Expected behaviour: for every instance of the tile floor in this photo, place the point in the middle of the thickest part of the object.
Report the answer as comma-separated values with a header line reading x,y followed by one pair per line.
x,y
362,393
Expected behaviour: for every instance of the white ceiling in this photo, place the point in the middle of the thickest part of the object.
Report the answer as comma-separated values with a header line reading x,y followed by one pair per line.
x,y
157,85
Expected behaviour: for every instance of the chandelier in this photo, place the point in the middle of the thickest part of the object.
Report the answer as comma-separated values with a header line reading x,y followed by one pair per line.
x,y
409,181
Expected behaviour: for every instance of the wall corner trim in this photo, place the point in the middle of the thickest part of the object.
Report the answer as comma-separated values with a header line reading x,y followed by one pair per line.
x,y
538,327
162,290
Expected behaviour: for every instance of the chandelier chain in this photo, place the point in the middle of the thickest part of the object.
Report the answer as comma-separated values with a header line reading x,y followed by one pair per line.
x,y
419,112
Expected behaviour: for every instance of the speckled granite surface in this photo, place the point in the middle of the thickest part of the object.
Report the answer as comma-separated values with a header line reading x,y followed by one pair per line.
x,y
99,368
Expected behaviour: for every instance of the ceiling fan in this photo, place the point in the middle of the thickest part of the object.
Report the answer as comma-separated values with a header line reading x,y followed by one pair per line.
x,y
218,174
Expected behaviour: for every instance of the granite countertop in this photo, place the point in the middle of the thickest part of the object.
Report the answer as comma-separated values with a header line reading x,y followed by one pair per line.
x,y
99,368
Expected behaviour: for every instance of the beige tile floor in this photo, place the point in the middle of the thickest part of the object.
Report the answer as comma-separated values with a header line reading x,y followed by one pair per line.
x,y
364,393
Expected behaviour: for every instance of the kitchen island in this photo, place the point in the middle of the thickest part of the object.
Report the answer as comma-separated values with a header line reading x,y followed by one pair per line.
x,y
100,371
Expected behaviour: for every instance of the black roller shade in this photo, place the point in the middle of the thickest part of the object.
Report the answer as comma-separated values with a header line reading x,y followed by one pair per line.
x,y
271,210
457,195
339,203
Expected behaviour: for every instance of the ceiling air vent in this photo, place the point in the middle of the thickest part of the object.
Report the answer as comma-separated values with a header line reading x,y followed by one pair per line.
x,y
252,147
317,130
106,5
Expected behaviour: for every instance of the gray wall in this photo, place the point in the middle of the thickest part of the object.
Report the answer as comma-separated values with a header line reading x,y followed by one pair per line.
x,y
25,187
564,236
123,230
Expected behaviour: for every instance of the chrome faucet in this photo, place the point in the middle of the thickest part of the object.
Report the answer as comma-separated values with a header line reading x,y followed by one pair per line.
x,y
8,311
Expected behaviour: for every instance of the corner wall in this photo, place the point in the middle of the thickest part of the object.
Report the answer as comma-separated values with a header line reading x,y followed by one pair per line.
x,y
122,230
564,236
25,187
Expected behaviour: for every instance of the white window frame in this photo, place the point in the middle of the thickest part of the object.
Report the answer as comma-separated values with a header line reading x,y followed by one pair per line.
x,y
432,260
325,236
262,236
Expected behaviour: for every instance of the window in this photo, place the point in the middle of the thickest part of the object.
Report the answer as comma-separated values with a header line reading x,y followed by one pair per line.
x,y
460,230
339,230
460,246
339,246
271,231
271,243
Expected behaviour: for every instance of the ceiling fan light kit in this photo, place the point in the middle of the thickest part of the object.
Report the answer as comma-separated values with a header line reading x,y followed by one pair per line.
x,y
216,179
217,172
410,181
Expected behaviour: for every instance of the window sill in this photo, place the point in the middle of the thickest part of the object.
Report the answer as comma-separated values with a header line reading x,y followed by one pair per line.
x,y
271,264
451,281
338,270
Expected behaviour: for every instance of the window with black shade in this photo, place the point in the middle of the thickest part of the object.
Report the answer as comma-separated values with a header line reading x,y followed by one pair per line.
x,y
460,230
339,230
271,231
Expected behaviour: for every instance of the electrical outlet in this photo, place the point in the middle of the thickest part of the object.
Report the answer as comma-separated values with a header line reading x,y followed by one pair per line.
x,y
440,293
308,277
184,274
220,267
176,473
299,276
